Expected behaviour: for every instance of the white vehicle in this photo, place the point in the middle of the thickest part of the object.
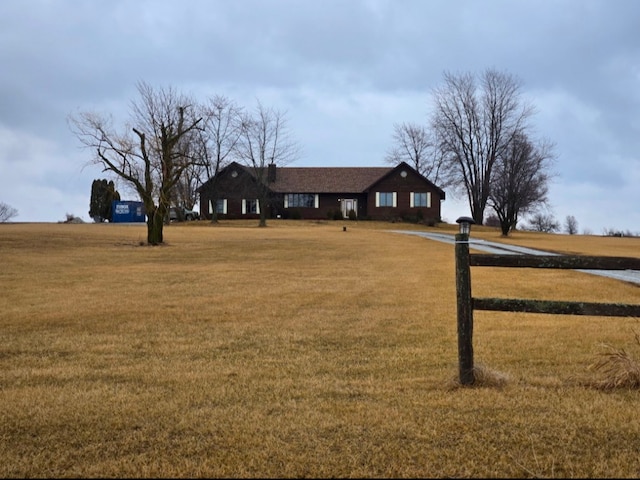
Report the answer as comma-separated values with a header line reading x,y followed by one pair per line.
x,y
178,214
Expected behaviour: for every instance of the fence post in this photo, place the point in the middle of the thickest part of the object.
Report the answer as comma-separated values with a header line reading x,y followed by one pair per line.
x,y
463,294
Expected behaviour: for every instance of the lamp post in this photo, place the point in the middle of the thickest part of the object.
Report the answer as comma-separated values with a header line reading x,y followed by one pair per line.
x,y
463,295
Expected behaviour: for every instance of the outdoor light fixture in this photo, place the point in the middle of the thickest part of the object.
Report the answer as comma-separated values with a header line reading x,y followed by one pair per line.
x,y
465,224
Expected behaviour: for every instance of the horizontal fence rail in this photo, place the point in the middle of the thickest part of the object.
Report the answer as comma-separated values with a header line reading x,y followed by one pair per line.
x,y
572,262
555,307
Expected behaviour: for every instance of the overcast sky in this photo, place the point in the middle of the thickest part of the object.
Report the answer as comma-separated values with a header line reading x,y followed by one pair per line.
x,y
344,71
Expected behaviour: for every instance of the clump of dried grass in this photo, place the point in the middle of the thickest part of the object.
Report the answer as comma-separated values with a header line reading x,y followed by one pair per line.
x,y
484,377
617,369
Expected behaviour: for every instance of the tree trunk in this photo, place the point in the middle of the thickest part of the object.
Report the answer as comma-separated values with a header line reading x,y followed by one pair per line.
x,y
263,210
477,212
155,225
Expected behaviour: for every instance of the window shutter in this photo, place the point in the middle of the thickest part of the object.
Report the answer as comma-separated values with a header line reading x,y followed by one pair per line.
x,y
429,199
257,206
210,207
286,201
377,199
316,201
395,199
411,202
244,206
224,206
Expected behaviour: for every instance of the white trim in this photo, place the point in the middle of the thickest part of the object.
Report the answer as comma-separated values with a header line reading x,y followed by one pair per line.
x,y
244,207
224,206
377,199
286,200
210,207
428,199
316,201
395,199
411,202
257,206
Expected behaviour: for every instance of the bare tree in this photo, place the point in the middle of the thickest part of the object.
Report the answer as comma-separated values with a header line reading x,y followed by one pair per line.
x,y
222,131
544,222
210,146
412,144
473,124
7,212
520,180
265,140
185,192
150,160
571,225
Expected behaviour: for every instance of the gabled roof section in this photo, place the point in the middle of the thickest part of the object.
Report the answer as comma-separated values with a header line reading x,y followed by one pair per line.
x,y
326,179
406,166
230,167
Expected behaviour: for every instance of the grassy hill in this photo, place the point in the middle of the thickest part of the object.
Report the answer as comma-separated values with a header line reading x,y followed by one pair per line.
x,y
300,350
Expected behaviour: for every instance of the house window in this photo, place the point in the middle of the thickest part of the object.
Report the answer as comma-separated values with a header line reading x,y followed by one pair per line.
x,y
221,206
250,206
300,200
386,199
420,199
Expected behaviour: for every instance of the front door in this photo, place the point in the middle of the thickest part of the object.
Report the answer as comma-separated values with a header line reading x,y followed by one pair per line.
x,y
349,204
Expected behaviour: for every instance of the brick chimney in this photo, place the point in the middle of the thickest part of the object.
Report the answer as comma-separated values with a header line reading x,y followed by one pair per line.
x,y
271,173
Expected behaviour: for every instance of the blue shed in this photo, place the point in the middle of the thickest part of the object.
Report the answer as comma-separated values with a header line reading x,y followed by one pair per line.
x,y
127,211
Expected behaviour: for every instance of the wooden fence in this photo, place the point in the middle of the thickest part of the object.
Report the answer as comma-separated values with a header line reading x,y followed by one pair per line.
x,y
466,302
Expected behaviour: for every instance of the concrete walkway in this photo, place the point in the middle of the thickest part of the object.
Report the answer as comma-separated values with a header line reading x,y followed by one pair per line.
x,y
632,276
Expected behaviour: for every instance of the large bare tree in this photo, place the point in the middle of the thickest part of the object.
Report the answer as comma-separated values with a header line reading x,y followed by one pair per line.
x,y
265,140
147,155
520,180
412,143
474,122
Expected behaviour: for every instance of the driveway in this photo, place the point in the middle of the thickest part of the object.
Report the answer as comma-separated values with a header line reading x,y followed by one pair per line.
x,y
632,276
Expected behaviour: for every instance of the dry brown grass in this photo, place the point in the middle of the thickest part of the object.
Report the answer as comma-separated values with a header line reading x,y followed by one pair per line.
x,y
297,350
616,368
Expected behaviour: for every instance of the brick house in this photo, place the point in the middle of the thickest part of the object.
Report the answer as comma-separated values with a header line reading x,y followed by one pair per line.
x,y
377,193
